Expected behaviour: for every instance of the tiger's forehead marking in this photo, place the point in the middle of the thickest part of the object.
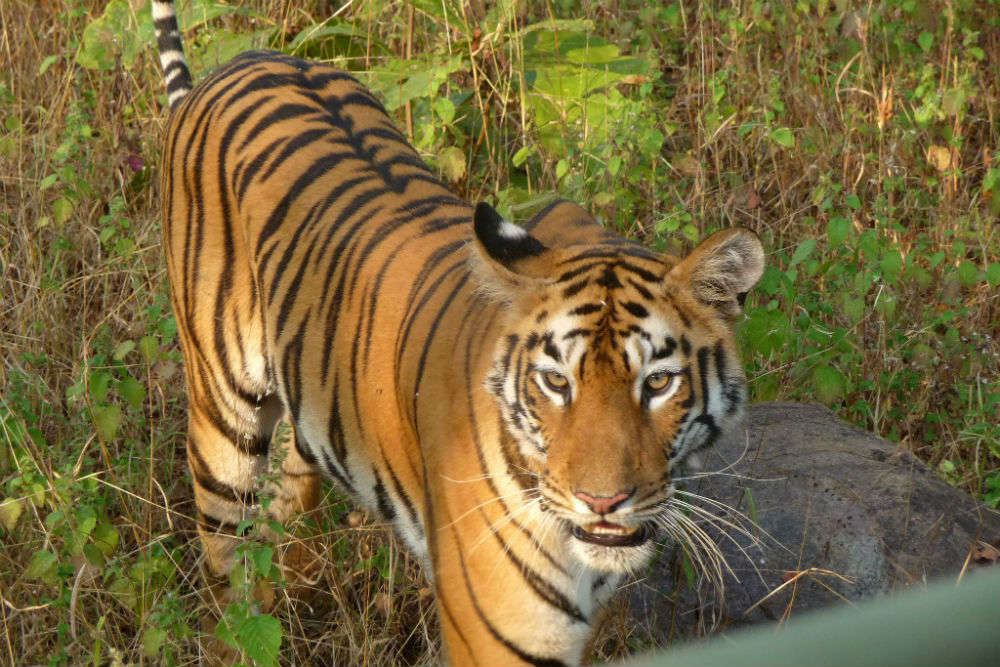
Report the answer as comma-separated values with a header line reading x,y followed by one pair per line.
x,y
612,314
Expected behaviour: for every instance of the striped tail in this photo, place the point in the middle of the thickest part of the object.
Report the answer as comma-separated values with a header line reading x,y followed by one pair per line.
x,y
176,74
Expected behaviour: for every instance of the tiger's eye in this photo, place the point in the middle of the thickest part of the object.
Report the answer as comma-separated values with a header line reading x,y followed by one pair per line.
x,y
556,381
657,382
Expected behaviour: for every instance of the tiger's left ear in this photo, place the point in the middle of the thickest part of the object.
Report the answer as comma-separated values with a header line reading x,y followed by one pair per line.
x,y
509,257
721,270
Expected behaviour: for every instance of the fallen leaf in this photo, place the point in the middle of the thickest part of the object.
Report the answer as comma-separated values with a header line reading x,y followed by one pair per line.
x,y
940,157
452,163
164,369
687,165
383,603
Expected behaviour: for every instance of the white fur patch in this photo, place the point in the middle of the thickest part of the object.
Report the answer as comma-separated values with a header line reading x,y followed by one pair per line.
x,y
162,10
509,230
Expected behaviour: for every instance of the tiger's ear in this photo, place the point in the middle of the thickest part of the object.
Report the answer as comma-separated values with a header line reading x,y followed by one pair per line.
x,y
721,270
509,258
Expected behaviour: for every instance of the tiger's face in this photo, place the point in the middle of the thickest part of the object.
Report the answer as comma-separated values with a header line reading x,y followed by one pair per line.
x,y
617,368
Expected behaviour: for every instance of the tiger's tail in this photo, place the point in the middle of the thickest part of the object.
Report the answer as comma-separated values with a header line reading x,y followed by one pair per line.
x,y
176,75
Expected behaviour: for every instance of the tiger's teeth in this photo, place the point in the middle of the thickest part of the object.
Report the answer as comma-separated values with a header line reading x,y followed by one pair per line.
x,y
605,528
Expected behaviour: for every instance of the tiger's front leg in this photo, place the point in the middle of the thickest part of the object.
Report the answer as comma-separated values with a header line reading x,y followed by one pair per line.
x,y
505,595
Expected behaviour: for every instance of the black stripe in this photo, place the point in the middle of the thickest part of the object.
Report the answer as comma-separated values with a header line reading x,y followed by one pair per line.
x,y
480,456
646,294
636,309
203,476
545,590
669,347
301,139
403,338
529,658
703,374
550,348
573,273
246,171
573,333
443,606
586,309
431,333
385,506
213,525
648,276
575,288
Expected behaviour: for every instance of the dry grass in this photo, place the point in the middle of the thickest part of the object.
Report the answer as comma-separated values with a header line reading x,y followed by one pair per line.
x,y
84,279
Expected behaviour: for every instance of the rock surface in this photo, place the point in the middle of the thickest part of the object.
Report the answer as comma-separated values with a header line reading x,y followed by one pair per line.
x,y
843,515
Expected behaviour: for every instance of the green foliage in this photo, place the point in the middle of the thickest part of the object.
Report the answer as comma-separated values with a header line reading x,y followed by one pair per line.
x,y
859,139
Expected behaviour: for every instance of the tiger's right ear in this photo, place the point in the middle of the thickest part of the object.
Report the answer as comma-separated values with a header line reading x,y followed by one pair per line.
x,y
509,258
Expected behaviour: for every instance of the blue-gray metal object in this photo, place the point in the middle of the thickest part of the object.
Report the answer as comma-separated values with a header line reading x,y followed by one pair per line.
x,y
943,625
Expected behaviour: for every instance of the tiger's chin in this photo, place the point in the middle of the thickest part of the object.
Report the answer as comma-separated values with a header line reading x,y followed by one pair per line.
x,y
613,548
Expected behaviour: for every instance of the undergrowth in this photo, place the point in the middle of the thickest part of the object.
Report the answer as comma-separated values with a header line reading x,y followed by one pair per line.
x,y
860,140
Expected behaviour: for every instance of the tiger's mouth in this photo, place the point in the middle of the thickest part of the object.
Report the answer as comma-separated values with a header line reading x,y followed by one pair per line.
x,y
607,534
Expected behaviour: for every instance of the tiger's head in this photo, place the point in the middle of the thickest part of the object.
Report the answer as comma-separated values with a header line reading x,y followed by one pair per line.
x,y
616,365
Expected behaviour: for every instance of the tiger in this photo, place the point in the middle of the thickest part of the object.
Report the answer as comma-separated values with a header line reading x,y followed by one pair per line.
x,y
513,399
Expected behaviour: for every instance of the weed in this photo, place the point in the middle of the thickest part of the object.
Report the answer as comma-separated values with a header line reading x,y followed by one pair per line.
x,y
859,139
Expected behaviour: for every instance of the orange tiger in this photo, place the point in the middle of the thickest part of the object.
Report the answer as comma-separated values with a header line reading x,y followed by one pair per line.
x,y
511,399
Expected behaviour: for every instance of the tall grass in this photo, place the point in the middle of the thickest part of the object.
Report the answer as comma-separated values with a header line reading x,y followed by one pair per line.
x,y
859,139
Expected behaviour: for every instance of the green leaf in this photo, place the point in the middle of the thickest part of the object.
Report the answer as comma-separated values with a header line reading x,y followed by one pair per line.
x,y
106,538
561,168
86,521
829,383
260,637
766,331
62,210
107,419
854,308
968,273
451,160
603,199
98,383
802,251
317,34
132,391
837,230
152,641
521,156
150,348
445,109
926,41
117,33
10,512
46,64
42,566
122,349
262,557
853,202
48,182
783,137
891,264
993,274
561,25
124,590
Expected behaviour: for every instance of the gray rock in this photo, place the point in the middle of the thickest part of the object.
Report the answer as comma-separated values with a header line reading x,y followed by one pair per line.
x,y
843,515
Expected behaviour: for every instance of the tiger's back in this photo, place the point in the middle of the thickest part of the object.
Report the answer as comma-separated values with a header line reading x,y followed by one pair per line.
x,y
304,235
511,399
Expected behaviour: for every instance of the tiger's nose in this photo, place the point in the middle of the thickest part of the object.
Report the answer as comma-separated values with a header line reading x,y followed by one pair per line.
x,y
603,504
